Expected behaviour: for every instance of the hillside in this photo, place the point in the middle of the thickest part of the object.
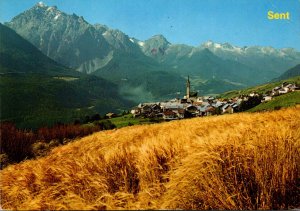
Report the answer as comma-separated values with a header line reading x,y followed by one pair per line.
x,y
17,55
37,91
293,72
34,100
238,162
287,100
263,88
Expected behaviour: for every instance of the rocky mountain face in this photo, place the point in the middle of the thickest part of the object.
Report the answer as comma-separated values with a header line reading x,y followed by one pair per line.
x,y
155,46
113,55
68,39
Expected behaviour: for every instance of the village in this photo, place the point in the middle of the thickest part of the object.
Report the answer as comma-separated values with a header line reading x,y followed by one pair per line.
x,y
192,105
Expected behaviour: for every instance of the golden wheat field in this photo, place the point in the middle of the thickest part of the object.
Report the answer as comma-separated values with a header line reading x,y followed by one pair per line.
x,y
239,161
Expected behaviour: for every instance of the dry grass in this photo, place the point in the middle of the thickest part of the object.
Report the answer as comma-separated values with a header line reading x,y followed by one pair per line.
x,y
239,161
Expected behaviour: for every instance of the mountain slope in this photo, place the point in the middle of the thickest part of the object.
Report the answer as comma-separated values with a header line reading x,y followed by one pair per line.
x,y
213,86
32,101
206,65
155,46
200,163
36,91
19,56
261,89
295,71
282,101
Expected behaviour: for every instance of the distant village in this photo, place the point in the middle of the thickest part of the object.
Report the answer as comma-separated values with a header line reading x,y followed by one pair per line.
x,y
192,105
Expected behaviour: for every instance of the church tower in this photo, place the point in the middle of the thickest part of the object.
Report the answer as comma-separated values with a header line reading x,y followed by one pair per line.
x,y
188,88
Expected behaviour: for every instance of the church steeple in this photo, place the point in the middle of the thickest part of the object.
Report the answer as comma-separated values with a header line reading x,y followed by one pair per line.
x,y
188,88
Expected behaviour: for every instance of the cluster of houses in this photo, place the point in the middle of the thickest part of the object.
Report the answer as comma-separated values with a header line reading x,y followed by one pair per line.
x,y
185,108
189,106
283,89
193,106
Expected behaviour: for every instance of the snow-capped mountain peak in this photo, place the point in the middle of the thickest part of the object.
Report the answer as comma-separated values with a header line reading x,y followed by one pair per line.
x,y
140,43
227,45
208,44
212,46
52,9
136,41
41,4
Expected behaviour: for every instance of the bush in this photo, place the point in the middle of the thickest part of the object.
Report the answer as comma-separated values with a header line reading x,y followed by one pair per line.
x,y
87,119
95,117
106,125
4,160
61,132
77,122
250,103
20,144
277,107
39,149
16,143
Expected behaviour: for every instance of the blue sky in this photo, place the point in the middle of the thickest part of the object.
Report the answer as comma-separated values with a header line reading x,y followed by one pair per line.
x,y
192,22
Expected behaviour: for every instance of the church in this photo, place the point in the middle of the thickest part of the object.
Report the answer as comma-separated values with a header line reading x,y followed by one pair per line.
x,y
189,93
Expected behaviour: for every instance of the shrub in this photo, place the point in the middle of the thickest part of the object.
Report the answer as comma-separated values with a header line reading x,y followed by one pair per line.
x,y
39,149
20,144
95,117
106,125
16,143
250,103
61,132
77,122
87,119
277,107
4,160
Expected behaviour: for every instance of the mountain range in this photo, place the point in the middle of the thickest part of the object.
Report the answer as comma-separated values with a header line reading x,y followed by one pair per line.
x,y
127,61
58,64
